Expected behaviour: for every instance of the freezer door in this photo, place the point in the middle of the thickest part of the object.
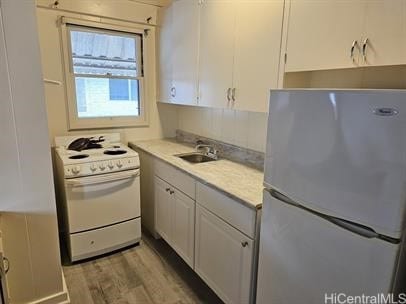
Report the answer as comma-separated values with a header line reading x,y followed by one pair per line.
x,y
342,153
304,257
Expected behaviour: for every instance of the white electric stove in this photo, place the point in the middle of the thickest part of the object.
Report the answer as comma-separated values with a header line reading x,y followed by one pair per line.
x,y
98,194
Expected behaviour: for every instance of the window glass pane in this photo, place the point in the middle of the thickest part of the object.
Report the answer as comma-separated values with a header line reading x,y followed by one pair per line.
x,y
93,97
134,95
119,89
97,53
81,94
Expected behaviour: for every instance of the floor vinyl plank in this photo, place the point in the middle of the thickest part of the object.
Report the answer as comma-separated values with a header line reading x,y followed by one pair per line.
x,y
150,273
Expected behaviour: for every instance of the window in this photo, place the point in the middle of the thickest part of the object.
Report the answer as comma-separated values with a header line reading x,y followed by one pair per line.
x,y
104,73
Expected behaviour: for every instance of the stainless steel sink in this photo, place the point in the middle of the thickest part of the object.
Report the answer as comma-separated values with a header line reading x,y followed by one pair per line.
x,y
196,157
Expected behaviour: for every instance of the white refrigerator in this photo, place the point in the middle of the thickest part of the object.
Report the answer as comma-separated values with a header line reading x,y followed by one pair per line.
x,y
335,195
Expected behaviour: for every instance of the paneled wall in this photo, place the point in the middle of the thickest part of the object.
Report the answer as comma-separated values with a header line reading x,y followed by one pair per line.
x,y
245,129
27,204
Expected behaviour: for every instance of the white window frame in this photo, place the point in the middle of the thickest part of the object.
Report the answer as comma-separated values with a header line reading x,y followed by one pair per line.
x,y
74,122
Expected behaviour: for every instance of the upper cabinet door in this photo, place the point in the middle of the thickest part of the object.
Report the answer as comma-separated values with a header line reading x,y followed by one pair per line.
x,y
165,55
216,52
321,34
185,43
257,50
385,29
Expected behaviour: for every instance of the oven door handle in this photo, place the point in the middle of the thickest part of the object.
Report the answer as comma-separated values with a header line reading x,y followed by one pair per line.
x,y
91,180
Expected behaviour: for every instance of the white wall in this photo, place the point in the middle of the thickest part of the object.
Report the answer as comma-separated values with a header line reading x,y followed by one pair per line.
x,y
245,129
162,118
27,203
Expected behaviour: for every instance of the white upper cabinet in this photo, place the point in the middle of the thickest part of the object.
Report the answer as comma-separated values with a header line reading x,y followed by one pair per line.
x,y
324,34
239,53
256,54
165,55
185,42
178,52
385,31
335,34
222,53
217,23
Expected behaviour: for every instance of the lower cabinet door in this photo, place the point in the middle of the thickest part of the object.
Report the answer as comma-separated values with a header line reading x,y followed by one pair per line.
x,y
163,207
175,219
223,257
183,226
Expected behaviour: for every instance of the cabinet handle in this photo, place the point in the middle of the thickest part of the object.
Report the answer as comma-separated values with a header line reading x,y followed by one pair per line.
x,y
167,189
173,91
353,46
6,264
228,96
233,95
364,49
244,244
171,192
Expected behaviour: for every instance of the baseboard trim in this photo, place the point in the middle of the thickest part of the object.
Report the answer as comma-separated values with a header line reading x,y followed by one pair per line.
x,y
57,298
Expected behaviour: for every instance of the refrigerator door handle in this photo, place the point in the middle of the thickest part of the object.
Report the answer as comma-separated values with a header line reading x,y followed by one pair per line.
x,y
359,229
353,227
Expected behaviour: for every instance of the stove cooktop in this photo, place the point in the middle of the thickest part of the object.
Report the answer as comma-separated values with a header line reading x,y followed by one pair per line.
x,y
111,156
106,152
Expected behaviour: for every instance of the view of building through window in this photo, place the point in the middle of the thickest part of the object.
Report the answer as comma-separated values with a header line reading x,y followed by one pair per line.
x,y
106,73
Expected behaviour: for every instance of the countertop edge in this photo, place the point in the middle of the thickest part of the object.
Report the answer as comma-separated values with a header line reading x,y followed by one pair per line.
x,y
205,182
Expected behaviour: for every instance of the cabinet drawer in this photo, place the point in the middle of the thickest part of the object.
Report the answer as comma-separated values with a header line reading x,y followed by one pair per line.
x,y
176,178
234,213
103,240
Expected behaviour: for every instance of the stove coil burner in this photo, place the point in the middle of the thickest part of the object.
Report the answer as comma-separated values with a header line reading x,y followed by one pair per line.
x,y
79,156
115,152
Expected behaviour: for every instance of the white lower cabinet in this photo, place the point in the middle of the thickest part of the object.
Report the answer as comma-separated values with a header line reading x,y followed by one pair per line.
x,y
163,206
175,219
214,234
183,226
223,257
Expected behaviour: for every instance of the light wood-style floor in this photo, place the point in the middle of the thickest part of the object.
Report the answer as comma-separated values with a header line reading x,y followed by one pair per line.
x,y
151,273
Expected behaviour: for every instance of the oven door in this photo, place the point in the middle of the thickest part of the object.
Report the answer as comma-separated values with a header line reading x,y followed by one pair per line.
x,y
102,200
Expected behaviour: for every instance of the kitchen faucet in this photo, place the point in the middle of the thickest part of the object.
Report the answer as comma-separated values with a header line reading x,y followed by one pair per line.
x,y
209,149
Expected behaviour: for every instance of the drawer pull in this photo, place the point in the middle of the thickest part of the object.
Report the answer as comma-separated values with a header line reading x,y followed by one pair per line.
x,y
168,189
244,244
171,192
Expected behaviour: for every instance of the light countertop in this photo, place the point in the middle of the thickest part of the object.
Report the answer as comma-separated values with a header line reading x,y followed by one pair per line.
x,y
237,181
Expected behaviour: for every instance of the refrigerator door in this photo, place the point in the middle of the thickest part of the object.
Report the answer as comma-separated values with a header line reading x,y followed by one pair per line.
x,y
342,153
304,258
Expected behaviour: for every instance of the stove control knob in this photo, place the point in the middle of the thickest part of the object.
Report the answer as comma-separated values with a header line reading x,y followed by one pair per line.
x,y
93,167
76,169
110,165
119,164
102,166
